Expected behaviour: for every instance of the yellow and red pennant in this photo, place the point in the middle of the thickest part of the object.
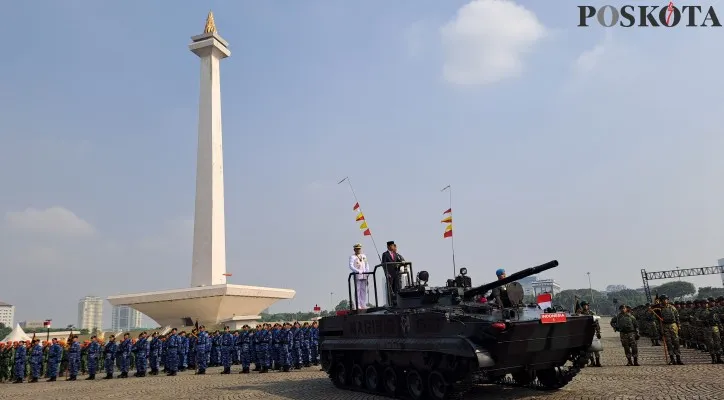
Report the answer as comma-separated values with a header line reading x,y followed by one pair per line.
x,y
447,220
360,217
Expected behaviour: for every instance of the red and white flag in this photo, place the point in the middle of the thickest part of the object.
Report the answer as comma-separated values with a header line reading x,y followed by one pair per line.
x,y
545,301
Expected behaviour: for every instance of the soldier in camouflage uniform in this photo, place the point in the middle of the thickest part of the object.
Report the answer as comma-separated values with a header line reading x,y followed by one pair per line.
x,y
711,320
651,323
628,329
698,326
594,356
670,328
685,318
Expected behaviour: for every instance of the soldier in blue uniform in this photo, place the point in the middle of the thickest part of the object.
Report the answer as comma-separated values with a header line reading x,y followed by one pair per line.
x,y
154,353
286,338
226,344
306,338
141,349
314,343
236,351
201,343
54,354
261,342
20,353
183,351
252,347
73,358
245,338
36,360
275,347
94,349
193,337
125,354
172,354
297,346
109,353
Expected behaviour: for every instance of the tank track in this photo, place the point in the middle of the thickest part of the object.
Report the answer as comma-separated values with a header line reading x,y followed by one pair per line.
x,y
556,379
458,392
563,376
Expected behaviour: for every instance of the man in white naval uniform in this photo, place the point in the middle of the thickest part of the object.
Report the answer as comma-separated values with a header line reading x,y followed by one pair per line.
x,y
358,264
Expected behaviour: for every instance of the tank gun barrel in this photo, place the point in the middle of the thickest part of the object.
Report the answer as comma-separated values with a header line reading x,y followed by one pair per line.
x,y
470,293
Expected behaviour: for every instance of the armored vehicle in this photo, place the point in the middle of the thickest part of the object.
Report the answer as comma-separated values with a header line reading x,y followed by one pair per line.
x,y
437,342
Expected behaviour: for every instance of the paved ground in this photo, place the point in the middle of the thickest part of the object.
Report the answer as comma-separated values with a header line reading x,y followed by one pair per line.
x,y
698,380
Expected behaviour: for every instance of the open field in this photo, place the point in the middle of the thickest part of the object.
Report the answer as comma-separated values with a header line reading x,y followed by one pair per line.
x,y
653,380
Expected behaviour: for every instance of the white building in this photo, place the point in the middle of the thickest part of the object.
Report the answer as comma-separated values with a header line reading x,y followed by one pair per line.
x,y
546,286
124,318
32,325
7,314
527,284
615,288
90,313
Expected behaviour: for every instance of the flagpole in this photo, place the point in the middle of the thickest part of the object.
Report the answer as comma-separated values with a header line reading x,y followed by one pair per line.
x,y
452,238
360,210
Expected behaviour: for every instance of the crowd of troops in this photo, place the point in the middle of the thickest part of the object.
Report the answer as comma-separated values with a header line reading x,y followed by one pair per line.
x,y
281,347
696,324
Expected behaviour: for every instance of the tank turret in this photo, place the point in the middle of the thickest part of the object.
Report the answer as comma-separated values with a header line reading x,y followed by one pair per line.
x,y
470,293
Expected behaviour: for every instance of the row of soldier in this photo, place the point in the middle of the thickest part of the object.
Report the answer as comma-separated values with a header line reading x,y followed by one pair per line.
x,y
696,324
280,347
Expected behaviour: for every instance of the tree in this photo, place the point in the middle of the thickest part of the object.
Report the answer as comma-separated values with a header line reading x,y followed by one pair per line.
x,y
4,331
708,291
676,289
84,332
343,305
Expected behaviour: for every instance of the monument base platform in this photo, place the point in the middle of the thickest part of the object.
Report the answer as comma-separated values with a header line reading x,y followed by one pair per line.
x,y
209,305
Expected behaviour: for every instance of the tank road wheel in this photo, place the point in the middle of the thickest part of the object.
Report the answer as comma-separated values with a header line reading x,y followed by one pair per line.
x,y
551,378
523,377
372,378
415,385
437,386
390,381
340,376
358,376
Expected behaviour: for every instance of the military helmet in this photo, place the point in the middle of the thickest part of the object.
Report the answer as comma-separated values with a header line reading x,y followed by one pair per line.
x,y
584,303
689,302
648,304
622,306
720,298
663,297
710,300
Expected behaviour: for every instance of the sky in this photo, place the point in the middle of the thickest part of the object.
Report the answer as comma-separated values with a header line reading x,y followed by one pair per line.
x,y
598,147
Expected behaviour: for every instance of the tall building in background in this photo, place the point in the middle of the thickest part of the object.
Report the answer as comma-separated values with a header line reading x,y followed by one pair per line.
x,y
7,314
90,313
125,318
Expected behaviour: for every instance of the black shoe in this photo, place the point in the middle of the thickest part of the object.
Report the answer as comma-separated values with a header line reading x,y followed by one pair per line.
x,y
109,376
91,377
201,372
172,373
636,362
34,380
678,360
53,379
629,363
286,368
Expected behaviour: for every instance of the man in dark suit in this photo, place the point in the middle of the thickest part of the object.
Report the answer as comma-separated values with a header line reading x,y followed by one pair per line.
x,y
393,275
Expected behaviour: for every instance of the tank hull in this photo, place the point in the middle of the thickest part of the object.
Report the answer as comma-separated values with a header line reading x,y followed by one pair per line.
x,y
460,349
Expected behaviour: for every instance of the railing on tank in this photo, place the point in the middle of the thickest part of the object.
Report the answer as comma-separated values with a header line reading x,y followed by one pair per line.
x,y
404,271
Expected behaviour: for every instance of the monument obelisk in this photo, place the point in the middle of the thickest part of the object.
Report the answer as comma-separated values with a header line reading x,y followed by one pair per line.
x,y
209,253
210,300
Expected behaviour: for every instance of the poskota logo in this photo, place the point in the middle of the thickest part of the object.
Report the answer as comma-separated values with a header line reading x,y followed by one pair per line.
x,y
629,16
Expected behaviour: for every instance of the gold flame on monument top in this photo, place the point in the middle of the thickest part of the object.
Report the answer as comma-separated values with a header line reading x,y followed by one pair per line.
x,y
210,25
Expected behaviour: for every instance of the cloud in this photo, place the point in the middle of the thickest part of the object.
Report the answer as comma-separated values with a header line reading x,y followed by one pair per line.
x,y
590,59
487,41
51,221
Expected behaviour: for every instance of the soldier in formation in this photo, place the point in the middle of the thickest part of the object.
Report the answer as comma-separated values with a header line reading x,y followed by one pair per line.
x,y
282,347
693,324
628,328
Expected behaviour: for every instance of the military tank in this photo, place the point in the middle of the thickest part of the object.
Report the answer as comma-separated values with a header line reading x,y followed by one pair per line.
x,y
438,342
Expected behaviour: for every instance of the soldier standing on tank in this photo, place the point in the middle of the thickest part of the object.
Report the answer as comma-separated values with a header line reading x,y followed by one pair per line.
x,y
595,356
628,329
500,294
392,271
670,329
359,266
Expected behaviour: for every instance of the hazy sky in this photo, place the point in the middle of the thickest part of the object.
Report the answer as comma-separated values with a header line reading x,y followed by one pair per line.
x,y
597,147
